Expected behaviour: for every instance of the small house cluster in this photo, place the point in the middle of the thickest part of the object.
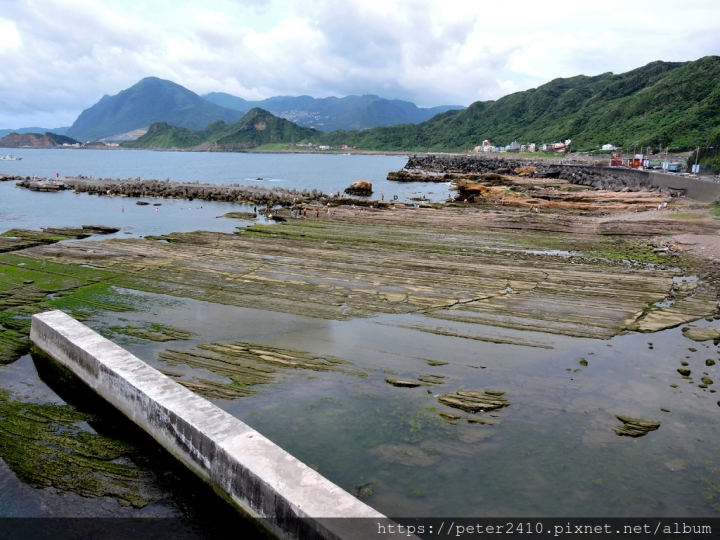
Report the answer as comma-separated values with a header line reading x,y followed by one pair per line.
x,y
555,147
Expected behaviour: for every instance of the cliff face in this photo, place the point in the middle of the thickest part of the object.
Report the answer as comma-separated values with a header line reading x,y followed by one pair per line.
x,y
34,140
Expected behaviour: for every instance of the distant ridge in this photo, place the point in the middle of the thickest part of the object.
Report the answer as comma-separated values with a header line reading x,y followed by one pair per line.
x,y
328,114
150,100
256,128
35,140
56,131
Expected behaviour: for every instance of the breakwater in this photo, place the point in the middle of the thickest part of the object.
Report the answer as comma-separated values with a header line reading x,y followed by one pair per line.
x,y
177,190
257,476
598,177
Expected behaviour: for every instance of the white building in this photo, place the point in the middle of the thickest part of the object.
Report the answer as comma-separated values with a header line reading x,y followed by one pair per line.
x,y
608,147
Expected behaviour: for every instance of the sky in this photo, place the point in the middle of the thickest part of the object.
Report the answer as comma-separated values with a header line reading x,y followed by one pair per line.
x,y
58,58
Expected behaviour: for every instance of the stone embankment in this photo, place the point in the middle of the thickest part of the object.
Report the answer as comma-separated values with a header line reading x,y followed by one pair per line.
x,y
176,190
593,176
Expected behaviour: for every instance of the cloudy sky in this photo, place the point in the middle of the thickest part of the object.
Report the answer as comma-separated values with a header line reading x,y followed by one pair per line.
x,y
59,57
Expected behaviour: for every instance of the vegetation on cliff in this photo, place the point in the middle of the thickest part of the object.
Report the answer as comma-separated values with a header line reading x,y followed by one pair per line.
x,y
709,154
661,104
256,128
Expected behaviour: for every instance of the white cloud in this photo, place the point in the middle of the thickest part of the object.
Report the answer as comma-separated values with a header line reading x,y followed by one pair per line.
x,y
60,57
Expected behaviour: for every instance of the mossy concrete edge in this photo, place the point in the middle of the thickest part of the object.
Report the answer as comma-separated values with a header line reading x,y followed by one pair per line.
x,y
260,478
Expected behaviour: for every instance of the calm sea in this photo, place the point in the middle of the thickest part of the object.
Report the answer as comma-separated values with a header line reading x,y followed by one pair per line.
x,y
328,173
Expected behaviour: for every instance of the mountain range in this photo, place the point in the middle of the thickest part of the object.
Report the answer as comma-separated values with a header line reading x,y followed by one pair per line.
x,y
56,131
150,100
129,113
329,114
662,104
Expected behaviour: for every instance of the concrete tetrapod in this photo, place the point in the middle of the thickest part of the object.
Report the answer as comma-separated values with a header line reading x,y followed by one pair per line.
x,y
250,471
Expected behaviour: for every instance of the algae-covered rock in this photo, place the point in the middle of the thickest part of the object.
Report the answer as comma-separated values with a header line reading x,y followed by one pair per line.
x,y
240,215
702,334
430,378
709,362
401,383
707,380
450,417
364,490
635,427
583,362
473,401
46,446
155,332
404,454
684,372
435,363
479,420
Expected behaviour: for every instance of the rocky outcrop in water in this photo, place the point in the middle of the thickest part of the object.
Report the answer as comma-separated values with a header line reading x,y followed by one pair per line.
x,y
361,187
473,401
635,427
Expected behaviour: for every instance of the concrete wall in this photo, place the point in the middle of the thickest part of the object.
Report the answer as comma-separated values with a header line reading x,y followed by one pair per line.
x,y
248,469
699,190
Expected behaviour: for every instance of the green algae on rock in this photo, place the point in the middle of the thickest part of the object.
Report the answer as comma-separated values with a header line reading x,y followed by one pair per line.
x,y
247,365
684,372
45,446
635,427
473,401
479,420
449,417
435,362
155,332
240,215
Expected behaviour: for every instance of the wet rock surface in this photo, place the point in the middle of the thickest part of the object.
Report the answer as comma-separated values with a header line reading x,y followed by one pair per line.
x,y
635,427
702,334
473,401
246,365
400,383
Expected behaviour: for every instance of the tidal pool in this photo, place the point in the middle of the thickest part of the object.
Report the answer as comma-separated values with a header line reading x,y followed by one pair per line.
x,y
551,452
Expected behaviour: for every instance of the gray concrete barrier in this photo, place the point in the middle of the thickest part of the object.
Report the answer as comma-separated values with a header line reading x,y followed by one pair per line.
x,y
249,470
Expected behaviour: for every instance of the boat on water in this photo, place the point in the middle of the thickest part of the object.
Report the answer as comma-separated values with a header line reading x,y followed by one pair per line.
x,y
10,157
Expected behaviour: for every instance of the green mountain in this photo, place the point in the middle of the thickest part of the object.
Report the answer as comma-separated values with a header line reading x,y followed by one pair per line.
x,y
256,128
328,114
150,100
36,140
661,104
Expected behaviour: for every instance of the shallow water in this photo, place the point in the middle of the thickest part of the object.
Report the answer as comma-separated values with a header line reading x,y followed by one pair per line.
x,y
553,454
